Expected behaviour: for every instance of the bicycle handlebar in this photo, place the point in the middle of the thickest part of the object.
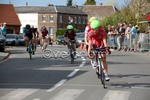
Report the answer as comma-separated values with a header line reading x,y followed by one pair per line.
x,y
101,49
72,40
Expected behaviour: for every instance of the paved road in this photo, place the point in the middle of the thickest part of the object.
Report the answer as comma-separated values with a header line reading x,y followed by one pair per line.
x,y
57,79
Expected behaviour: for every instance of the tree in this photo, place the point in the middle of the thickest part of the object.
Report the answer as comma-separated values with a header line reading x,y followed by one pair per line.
x,y
140,8
90,2
69,2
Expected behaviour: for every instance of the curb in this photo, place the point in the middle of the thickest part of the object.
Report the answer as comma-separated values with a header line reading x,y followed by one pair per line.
x,y
8,54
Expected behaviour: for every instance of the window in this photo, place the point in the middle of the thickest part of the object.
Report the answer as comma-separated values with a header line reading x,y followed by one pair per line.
x,y
43,18
83,20
61,19
79,20
75,20
51,31
51,18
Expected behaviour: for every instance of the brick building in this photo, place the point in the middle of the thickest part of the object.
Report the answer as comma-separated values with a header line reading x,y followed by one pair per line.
x,y
53,17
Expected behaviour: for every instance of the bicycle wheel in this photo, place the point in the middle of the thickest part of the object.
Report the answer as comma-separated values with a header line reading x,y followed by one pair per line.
x,y
72,58
98,72
98,69
30,52
101,71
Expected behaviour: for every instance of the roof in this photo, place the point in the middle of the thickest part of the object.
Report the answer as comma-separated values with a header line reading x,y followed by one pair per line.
x,y
48,9
34,9
100,10
9,15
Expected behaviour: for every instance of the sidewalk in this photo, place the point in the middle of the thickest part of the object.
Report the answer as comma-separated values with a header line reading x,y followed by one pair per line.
x,y
3,55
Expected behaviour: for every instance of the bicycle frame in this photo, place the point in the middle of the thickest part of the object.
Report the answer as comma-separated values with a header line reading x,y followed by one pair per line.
x,y
100,67
30,49
71,50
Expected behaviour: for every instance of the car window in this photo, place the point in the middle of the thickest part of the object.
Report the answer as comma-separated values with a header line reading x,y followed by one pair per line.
x,y
10,36
1,36
20,37
80,36
60,37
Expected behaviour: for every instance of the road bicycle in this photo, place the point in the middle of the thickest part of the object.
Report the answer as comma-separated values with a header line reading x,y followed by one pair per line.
x,y
100,68
30,49
71,42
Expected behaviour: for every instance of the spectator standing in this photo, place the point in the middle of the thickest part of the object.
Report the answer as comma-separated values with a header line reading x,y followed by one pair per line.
x,y
4,29
120,38
134,37
127,36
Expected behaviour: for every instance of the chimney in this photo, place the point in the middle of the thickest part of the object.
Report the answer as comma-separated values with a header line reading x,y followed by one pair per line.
x,y
49,4
26,3
75,6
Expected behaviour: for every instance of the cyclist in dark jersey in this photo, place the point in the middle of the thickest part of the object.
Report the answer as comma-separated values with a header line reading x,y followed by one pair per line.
x,y
70,34
28,35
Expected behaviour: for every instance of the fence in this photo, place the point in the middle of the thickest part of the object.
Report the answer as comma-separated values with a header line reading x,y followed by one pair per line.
x,y
139,43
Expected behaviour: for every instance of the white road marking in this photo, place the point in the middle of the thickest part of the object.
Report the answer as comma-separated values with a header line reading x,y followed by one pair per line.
x,y
83,58
57,85
117,95
72,73
18,94
82,64
68,94
36,99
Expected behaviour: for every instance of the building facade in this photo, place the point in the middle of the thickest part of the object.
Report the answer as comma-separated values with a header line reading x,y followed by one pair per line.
x,y
53,17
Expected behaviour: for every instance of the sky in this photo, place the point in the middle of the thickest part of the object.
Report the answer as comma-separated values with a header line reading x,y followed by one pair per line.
x,y
54,2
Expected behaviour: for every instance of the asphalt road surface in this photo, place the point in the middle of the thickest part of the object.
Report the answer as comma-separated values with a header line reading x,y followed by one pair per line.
x,y
56,78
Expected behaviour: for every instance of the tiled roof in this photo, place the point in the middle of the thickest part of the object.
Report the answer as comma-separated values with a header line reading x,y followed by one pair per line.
x,y
8,15
99,10
69,10
48,9
35,9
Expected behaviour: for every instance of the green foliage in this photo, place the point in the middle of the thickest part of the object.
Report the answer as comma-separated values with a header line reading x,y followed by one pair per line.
x,y
90,2
61,31
69,3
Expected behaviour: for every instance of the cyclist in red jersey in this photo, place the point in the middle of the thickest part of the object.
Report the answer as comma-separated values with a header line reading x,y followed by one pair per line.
x,y
97,38
44,36
87,30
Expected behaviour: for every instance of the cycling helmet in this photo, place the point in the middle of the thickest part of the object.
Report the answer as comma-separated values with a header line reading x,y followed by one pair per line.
x,y
69,27
43,28
92,19
27,26
95,24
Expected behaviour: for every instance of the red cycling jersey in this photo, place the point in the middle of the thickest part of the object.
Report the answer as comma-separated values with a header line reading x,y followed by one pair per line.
x,y
87,29
97,38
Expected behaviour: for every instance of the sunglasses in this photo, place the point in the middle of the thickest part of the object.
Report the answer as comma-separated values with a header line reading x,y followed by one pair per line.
x,y
95,29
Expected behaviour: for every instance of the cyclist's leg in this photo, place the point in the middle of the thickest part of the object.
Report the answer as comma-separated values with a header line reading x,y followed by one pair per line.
x,y
32,41
47,41
26,42
93,59
42,42
74,47
103,56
